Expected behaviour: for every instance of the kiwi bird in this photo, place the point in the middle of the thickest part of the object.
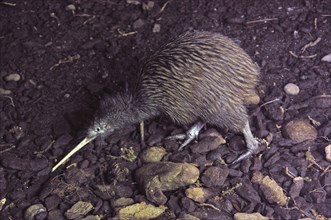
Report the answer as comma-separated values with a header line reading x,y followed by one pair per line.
x,y
197,78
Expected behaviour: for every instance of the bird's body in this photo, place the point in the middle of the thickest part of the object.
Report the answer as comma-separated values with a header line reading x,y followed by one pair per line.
x,y
198,77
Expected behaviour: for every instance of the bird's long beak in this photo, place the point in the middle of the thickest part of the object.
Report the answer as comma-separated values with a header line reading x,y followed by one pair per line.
x,y
85,141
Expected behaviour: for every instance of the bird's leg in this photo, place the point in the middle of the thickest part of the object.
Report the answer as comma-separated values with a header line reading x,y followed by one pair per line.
x,y
251,143
190,135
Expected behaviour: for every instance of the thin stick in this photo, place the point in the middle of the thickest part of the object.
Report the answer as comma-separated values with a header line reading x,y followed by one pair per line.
x,y
261,20
269,102
8,4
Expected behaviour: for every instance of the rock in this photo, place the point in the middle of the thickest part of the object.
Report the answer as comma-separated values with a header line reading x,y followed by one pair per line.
x,y
141,211
253,99
138,23
207,144
271,190
122,202
13,77
291,89
15,163
34,210
91,217
188,217
215,176
249,216
78,210
153,154
300,130
156,28
154,178
296,187
198,194
328,153
55,214
327,58
5,91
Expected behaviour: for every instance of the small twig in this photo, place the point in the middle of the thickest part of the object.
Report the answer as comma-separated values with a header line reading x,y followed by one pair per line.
x,y
11,100
10,147
68,59
46,149
262,20
310,44
53,15
83,15
125,34
289,173
269,102
326,15
208,205
302,57
8,4
88,20
164,6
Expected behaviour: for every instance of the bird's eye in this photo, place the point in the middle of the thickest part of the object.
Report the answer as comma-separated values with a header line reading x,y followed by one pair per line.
x,y
97,129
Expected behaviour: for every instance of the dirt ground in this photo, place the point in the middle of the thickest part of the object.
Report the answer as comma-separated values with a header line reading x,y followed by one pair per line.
x,y
57,58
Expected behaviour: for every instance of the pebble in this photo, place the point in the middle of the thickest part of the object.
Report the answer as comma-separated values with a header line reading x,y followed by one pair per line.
x,y
138,23
155,178
215,176
198,194
249,216
300,130
78,210
141,211
33,211
156,28
296,187
328,153
13,77
52,202
327,58
55,214
153,154
147,6
71,7
291,89
253,99
207,144
120,202
5,91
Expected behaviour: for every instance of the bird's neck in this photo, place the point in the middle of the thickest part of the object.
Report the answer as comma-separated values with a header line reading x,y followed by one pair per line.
x,y
139,111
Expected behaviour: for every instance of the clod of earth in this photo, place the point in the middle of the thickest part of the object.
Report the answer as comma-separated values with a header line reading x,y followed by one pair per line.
x,y
300,130
78,210
249,216
141,211
152,154
198,194
155,178
271,190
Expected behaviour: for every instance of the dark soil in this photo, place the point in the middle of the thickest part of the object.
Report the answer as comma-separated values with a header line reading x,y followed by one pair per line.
x,y
68,58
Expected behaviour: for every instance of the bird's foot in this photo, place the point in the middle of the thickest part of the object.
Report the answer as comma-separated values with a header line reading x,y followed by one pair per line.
x,y
252,146
190,135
